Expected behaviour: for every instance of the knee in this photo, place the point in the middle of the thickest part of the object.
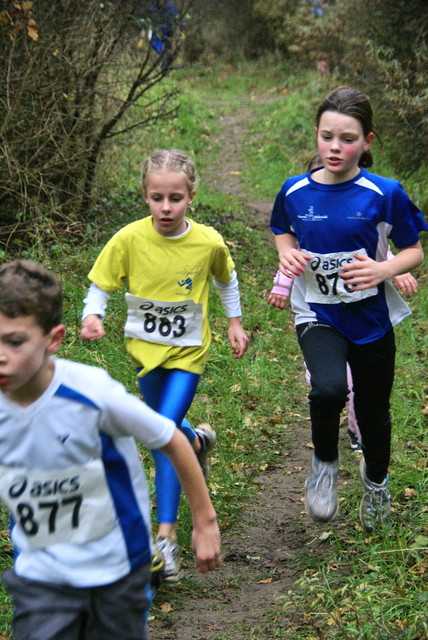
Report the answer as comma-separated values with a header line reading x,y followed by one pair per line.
x,y
327,392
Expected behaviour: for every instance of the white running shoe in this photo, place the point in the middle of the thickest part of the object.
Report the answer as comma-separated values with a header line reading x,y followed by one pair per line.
x,y
375,506
170,552
354,442
321,490
207,437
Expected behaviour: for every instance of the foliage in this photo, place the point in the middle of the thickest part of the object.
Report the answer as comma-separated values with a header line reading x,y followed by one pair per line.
x,y
70,73
379,46
218,28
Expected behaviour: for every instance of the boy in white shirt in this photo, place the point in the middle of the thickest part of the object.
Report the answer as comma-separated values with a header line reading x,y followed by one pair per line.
x,y
72,478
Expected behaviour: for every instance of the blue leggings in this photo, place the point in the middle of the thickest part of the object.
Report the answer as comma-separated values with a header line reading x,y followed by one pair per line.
x,y
170,392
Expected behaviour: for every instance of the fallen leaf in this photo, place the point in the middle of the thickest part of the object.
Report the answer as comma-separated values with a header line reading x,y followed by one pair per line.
x,y
325,536
409,492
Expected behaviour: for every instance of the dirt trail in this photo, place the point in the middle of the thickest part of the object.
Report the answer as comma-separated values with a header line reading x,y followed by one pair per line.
x,y
225,173
260,555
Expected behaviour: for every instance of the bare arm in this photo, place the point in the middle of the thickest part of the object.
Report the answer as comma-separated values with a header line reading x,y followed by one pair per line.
x,y
366,273
206,535
291,259
405,282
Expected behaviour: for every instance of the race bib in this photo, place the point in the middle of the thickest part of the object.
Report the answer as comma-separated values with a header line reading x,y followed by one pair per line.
x,y
71,505
324,284
178,324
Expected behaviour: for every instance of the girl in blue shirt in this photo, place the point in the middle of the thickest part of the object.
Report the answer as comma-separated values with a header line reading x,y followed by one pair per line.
x,y
332,226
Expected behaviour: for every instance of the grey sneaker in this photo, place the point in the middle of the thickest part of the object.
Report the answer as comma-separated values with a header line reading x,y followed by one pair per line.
x,y
207,437
321,490
170,551
375,506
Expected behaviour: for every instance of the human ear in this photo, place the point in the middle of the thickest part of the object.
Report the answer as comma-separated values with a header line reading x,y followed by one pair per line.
x,y
369,141
56,336
192,196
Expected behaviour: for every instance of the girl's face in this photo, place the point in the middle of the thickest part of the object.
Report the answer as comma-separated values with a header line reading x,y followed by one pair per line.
x,y
341,142
168,196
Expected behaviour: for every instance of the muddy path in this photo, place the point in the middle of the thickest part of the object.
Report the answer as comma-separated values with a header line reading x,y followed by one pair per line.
x,y
262,557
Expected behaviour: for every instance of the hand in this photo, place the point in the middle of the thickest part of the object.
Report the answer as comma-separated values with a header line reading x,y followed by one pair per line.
x,y
237,337
205,534
364,273
277,300
92,328
206,548
406,283
293,261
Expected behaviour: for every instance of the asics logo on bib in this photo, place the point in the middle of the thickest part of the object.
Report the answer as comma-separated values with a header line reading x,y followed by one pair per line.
x,y
64,486
327,265
163,311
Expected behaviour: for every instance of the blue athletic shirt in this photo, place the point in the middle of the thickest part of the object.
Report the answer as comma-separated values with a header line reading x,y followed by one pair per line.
x,y
334,222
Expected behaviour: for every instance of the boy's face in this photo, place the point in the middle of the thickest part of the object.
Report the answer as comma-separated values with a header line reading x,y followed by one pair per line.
x,y
25,367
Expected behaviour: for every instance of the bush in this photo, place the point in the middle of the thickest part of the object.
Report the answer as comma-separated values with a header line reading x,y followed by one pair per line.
x,y
70,72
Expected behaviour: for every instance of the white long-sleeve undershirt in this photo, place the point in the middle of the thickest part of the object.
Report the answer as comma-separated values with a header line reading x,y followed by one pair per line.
x,y
96,299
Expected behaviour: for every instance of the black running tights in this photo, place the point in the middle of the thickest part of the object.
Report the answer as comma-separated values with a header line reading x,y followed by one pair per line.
x,y
326,352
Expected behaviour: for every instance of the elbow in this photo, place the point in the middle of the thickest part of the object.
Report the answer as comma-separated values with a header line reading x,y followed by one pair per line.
x,y
420,256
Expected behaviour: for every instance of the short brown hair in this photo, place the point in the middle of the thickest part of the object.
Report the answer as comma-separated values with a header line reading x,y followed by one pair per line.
x,y
28,289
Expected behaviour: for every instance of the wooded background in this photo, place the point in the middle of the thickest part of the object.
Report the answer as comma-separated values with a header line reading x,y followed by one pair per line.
x,y
75,74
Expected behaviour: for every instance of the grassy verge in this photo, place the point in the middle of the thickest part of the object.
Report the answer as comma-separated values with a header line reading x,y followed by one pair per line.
x,y
367,587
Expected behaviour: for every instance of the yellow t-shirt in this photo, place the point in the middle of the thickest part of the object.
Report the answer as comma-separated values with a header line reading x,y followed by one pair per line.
x,y
164,270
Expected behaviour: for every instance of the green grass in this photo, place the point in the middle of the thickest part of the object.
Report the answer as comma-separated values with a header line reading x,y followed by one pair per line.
x,y
361,587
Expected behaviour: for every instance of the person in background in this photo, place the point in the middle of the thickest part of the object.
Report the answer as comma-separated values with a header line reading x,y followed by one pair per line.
x,y
72,479
159,26
332,228
167,260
